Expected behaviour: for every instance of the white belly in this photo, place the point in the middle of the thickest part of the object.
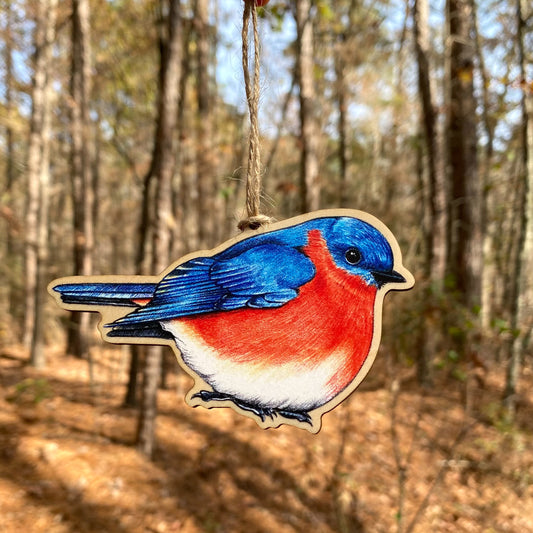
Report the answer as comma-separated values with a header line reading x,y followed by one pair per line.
x,y
283,386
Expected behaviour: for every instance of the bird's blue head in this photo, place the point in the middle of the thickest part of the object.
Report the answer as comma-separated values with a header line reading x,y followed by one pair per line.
x,y
361,249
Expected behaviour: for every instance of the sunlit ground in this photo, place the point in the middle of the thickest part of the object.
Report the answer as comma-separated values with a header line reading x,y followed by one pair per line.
x,y
68,464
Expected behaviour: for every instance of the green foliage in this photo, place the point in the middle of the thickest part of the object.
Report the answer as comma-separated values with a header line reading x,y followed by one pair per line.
x,y
453,364
453,356
502,327
498,417
459,374
325,11
276,15
32,391
211,524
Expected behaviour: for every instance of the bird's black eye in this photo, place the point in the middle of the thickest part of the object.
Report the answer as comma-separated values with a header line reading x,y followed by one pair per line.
x,y
353,256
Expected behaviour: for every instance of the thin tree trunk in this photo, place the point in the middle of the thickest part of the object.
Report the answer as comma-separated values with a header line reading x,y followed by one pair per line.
x,y
8,95
204,145
343,52
279,130
434,230
143,244
95,182
163,163
433,204
309,135
179,245
130,398
35,163
37,355
340,75
10,145
143,237
464,261
521,320
489,271
81,169
189,190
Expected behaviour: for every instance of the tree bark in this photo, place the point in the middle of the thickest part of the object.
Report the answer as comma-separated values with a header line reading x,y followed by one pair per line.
x,y
143,244
342,103
344,60
130,398
309,129
143,237
488,280
10,146
81,168
521,319
186,199
433,204
38,162
162,167
37,355
464,250
204,145
279,131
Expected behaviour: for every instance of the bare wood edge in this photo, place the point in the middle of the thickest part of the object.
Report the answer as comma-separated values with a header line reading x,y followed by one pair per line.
x,y
109,314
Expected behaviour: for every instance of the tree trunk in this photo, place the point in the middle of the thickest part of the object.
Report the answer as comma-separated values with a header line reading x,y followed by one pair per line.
x,y
342,103
187,197
37,355
10,147
130,398
143,236
488,280
344,60
142,268
521,319
180,204
81,168
279,131
309,129
163,162
38,158
204,145
464,253
433,204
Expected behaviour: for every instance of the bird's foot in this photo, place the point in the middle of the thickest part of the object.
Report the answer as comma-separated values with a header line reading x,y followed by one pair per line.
x,y
208,396
261,412
301,416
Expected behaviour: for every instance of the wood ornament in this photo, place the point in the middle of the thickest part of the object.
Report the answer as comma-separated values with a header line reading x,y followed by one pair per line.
x,y
281,324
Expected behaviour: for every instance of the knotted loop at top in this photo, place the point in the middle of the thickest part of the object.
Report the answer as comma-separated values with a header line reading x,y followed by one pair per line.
x,y
254,218
254,222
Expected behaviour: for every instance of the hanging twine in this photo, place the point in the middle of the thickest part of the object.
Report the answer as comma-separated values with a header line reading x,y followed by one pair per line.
x,y
254,219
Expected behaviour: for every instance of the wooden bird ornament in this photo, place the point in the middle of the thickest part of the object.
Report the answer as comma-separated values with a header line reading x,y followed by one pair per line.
x,y
281,324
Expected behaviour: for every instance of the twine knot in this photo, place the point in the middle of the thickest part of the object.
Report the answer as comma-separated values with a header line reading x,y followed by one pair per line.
x,y
254,219
254,222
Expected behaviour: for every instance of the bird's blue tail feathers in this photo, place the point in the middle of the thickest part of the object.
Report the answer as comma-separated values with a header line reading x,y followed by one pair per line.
x,y
115,294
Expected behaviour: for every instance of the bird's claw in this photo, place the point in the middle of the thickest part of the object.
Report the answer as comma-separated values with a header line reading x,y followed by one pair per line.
x,y
260,412
300,416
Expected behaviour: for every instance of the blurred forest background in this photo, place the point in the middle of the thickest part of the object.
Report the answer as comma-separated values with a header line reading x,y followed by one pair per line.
x,y
123,146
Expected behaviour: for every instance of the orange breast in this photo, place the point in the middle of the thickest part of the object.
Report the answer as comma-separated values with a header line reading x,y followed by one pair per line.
x,y
333,313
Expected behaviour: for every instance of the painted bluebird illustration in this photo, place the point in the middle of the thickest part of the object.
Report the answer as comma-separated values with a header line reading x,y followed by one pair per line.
x,y
281,324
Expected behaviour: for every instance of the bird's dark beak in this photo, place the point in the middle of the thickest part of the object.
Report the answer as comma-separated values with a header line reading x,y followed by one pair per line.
x,y
388,277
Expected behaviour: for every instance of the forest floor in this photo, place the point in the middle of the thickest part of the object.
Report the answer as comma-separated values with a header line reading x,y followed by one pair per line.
x,y
68,462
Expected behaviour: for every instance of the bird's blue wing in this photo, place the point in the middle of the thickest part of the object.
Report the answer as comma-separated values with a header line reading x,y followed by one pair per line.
x,y
263,276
